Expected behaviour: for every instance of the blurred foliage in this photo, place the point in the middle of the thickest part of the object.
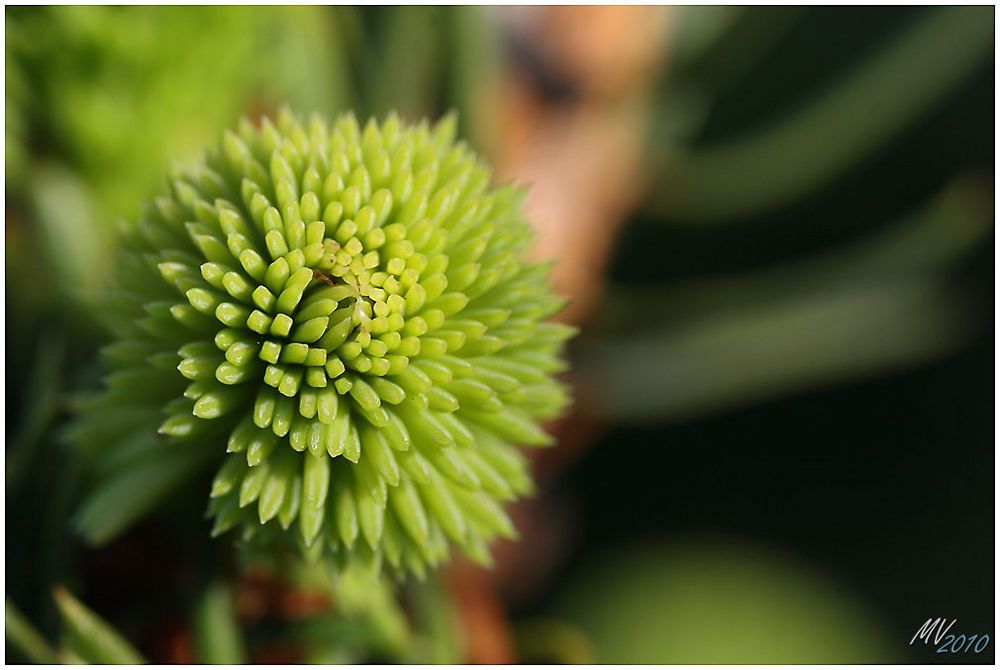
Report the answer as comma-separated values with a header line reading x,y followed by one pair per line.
x,y
874,304
86,637
717,603
834,129
120,91
89,638
810,217
859,306
219,640
19,632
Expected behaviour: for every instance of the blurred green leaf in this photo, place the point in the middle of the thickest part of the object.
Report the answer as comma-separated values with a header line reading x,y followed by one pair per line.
x,y
944,232
726,46
132,493
475,66
307,64
872,306
698,29
751,354
20,633
216,628
76,248
90,637
409,67
118,92
719,602
365,597
435,617
42,394
835,131
553,641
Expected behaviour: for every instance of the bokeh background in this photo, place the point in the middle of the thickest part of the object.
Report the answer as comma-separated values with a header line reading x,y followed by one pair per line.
x,y
777,229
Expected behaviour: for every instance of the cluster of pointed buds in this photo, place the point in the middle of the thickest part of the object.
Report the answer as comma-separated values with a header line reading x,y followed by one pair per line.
x,y
342,321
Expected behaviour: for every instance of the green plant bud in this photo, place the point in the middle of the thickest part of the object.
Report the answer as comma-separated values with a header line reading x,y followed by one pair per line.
x,y
358,345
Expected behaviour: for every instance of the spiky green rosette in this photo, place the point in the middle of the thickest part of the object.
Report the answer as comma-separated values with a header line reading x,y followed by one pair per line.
x,y
343,321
